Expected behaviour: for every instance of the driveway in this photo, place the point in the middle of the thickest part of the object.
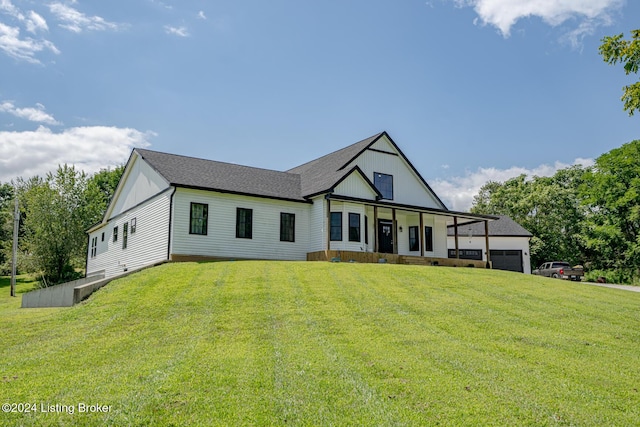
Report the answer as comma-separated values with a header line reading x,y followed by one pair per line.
x,y
609,285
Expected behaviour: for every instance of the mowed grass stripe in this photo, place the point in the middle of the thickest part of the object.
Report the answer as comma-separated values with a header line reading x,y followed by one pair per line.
x,y
286,343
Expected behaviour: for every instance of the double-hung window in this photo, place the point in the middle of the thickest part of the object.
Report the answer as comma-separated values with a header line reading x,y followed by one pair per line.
x,y
94,247
244,223
125,234
115,234
287,227
414,243
354,227
428,239
336,226
198,218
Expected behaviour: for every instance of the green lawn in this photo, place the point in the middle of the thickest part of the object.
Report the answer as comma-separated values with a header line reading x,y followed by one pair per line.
x,y
286,343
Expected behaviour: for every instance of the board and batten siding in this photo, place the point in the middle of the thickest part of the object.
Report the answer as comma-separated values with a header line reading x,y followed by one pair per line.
x,y
140,182
148,245
407,187
355,185
221,240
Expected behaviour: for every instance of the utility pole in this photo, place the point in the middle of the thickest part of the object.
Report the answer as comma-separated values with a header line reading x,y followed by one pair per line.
x,y
16,226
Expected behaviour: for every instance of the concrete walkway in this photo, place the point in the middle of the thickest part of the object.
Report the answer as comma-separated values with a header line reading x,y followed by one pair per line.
x,y
610,285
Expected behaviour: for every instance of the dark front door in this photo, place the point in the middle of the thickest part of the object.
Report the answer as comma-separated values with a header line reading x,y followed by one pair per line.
x,y
385,236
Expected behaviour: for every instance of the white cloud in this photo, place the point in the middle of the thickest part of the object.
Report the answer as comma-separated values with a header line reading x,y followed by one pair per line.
x,y
32,114
503,14
177,31
458,192
76,21
25,154
35,23
201,15
22,48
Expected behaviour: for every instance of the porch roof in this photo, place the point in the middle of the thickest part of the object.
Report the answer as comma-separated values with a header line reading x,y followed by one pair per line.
x,y
473,218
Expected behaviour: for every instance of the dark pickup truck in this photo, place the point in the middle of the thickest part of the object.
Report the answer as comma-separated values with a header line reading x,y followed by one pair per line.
x,y
560,270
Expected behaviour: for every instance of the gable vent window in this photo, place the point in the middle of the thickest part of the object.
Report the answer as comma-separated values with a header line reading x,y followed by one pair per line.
x,y
198,219
244,223
384,184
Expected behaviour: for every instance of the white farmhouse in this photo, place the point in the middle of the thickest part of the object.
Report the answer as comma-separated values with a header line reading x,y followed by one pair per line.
x,y
365,202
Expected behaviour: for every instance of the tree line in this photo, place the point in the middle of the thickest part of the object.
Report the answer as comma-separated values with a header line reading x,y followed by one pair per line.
x,y
55,212
583,215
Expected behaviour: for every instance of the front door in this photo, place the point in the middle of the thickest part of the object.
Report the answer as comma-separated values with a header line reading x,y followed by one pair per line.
x,y
385,236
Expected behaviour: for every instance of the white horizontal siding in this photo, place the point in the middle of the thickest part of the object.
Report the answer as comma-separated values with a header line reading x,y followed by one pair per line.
x,y
317,225
221,240
495,242
149,244
345,244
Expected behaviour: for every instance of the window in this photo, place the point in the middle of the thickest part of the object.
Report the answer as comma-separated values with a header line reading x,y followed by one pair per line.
x,y
133,225
336,226
244,223
125,235
384,184
198,219
287,227
103,236
354,227
366,230
115,234
428,239
94,246
414,243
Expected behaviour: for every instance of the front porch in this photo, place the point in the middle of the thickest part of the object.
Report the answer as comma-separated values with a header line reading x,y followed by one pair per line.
x,y
375,257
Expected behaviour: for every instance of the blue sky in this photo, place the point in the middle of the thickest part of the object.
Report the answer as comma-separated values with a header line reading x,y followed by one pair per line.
x,y
470,90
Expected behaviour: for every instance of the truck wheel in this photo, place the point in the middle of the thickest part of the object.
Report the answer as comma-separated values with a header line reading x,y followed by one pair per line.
x,y
555,276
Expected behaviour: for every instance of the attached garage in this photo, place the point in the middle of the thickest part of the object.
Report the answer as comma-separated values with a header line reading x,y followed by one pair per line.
x,y
508,244
510,260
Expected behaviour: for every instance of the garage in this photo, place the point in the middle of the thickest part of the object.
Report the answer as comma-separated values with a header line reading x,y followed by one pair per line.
x,y
507,259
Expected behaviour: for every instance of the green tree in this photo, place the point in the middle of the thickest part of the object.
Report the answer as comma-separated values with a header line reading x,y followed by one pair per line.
x,y
548,207
55,223
616,49
611,191
6,227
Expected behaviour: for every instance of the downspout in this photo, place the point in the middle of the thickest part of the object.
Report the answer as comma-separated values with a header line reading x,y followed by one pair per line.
x,y
86,262
170,223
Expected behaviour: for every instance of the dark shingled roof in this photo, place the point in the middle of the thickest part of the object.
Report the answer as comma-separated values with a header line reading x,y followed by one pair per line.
x,y
504,226
191,172
321,174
